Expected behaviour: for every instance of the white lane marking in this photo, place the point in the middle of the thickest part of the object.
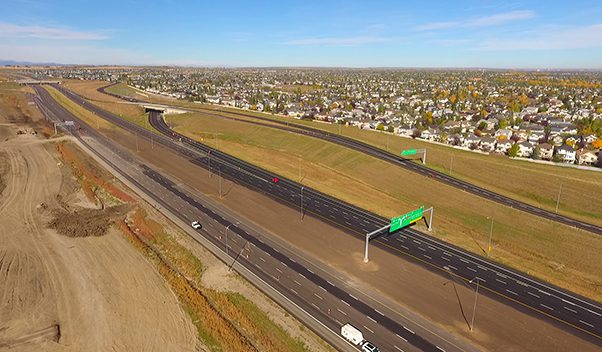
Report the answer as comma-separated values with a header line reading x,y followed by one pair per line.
x,y
464,260
399,349
263,260
303,276
431,248
374,321
297,282
292,260
543,305
311,271
417,242
379,312
500,281
318,296
401,338
586,323
427,256
447,254
452,267
569,309
348,305
367,328
340,311
331,284
295,292
482,267
512,292
318,308
471,269
533,294
352,296
422,249
445,258
440,348
409,330
278,270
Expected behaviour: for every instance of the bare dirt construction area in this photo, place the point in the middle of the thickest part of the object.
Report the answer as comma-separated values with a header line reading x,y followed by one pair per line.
x,y
62,293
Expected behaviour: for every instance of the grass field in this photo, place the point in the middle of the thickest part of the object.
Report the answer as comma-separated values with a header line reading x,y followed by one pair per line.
x,y
556,253
87,89
124,90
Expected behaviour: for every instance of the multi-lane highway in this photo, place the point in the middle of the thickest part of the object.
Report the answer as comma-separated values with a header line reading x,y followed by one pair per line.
x,y
321,295
397,160
573,312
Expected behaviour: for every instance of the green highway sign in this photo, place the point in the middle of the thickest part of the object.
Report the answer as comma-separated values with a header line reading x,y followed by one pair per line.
x,y
406,219
408,152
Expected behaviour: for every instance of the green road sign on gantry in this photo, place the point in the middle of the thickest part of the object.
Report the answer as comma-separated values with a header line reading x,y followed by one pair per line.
x,y
408,152
406,219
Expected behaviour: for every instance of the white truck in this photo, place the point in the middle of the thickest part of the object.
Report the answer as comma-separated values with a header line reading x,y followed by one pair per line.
x,y
351,334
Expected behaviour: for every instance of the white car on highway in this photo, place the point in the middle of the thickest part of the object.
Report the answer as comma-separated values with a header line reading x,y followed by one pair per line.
x,y
196,225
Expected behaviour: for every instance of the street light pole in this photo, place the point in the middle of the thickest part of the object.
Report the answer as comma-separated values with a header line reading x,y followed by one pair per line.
x,y
558,199
490,236
301,203
474,309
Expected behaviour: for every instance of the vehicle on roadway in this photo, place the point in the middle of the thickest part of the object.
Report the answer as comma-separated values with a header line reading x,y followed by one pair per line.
x,y
196,225
368,346
351,334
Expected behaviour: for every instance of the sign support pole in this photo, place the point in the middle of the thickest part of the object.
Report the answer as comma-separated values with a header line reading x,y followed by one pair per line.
x,y
430,222
368,235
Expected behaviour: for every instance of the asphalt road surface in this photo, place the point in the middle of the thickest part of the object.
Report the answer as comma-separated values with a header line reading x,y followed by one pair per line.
x,y
321,295
572,312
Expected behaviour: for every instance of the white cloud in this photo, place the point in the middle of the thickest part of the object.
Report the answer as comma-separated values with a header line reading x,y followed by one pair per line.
x,y
340,41
10,30
72,54
549,39
484,21
436,25
500,18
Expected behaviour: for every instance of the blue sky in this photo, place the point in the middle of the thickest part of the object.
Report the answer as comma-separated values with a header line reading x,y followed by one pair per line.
x,y
480,33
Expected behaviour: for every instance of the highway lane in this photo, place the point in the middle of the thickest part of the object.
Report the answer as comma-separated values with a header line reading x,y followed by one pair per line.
x,y
325,297
573,312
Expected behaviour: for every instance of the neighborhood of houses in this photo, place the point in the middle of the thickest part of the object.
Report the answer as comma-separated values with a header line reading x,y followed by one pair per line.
x,y
555,116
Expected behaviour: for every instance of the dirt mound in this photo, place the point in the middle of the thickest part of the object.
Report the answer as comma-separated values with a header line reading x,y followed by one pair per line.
x,y
86,222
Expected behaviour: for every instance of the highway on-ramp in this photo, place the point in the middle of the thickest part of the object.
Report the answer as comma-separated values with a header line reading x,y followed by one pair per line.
x,y
574,313
324,297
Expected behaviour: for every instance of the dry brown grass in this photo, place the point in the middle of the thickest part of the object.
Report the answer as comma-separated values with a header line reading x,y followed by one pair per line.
x,y
225,322
88,89
553,252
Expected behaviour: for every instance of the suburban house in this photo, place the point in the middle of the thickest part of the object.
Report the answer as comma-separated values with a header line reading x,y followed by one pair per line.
x,y
503,132
586,157
471,140
567,153
525,149
546,151
502,145
488,144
